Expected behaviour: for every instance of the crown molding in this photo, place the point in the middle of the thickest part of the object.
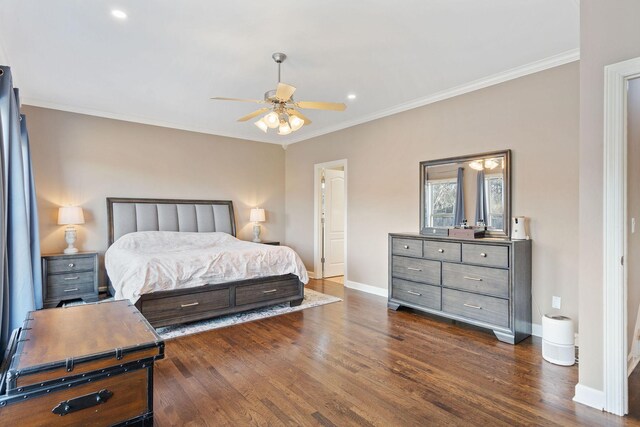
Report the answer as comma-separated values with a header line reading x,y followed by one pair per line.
x,y
514,73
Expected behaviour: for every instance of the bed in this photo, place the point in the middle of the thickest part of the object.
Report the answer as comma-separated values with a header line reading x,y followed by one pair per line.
x,y
135,223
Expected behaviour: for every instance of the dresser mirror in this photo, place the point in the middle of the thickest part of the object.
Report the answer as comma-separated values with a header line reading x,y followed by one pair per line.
x,y
474,188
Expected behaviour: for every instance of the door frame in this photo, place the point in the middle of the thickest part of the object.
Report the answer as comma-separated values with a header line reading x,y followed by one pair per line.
x,y
317,226
615,372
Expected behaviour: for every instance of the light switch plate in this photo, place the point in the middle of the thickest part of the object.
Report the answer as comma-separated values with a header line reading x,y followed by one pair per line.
x,y
556,302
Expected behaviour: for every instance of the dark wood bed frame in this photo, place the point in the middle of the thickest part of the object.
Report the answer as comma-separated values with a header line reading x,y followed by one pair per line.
x,y
165,308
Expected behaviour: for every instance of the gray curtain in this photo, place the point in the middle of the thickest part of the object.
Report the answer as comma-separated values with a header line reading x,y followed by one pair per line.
x,y
458,216
481,200
21,279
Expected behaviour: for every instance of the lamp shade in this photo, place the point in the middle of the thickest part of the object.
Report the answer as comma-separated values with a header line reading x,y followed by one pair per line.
x,y
257,215
69,215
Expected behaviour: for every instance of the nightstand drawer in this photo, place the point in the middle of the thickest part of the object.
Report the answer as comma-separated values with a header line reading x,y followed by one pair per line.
x,y
71,289
61,280
71,264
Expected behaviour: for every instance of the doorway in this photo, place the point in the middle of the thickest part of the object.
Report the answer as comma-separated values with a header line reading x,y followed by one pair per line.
x,y
633,242
619,231
330,220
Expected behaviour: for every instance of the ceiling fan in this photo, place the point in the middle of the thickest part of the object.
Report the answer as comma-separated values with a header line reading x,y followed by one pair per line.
x,y
282,111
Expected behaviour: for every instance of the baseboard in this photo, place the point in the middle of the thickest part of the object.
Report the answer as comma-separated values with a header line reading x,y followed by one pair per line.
x,y
536,330
311,274
589,396
383,292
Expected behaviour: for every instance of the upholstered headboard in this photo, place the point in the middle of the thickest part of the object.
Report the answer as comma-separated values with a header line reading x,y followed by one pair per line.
x,y
130,215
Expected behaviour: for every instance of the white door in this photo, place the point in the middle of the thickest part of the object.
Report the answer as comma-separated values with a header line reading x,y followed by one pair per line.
x,y
333,223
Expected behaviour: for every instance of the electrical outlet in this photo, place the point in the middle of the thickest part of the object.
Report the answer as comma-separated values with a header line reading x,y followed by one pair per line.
x,y
556,302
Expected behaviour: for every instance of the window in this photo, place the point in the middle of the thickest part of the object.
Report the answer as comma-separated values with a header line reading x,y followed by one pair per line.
x,y
441,195
495,200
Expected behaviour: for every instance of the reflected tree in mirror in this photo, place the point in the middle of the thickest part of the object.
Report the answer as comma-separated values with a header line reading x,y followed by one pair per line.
x,y
442,201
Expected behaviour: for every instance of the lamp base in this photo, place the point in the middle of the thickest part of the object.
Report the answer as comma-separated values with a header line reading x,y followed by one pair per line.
x,y
70,237
256,234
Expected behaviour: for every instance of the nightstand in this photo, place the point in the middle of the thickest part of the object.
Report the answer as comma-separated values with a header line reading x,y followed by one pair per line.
x,y
69,276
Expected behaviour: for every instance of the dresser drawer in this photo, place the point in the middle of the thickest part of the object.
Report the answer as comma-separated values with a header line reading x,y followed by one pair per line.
x,y
494,311
443,251
416,293
265,292
417,270
490,255
70,265
408,247
71,290
484,280
186,305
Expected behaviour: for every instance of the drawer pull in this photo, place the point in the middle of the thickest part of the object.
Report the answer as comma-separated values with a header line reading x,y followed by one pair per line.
x,y
72,278
477,307
71,265
414,293
270,291
441,250
483,255
82,402
71,290
414,269
191,304
406,246
477,279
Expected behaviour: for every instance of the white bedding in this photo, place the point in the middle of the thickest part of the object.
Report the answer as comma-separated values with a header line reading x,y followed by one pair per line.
x,y
152,261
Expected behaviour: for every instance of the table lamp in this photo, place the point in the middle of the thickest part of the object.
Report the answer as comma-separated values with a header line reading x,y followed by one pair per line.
x,y
70,216
257,216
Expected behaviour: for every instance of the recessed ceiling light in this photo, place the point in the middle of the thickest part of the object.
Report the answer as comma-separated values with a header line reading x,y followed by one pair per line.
x,y
351,96
119,14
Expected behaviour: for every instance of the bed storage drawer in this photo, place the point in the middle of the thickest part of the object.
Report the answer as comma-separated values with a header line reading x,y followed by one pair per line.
x,y
186,305
249,294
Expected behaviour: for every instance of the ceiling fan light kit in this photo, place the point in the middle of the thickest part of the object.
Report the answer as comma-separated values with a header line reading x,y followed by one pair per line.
x,y
282,113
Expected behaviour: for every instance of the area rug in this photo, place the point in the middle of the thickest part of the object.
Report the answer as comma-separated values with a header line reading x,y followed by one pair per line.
x,y
311,299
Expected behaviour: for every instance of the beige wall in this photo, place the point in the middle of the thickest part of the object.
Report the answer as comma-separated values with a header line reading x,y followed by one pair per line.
x,y
536,116
79,159
633,205
609,33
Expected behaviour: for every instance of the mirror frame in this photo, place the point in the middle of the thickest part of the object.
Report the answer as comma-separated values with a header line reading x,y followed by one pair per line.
x,y
506,233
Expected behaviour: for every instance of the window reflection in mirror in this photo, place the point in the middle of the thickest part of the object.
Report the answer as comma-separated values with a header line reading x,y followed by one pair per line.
x,y
479,184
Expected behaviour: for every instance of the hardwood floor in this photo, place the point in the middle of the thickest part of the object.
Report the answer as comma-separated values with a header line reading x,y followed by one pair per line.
x,y
357,363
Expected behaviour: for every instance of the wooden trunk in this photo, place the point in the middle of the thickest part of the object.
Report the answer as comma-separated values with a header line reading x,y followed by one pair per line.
x,y
83,365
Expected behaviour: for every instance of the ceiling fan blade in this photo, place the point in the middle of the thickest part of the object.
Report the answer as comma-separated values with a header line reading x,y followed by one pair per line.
x,y
257,101
334,106
284,92
252,115
299,114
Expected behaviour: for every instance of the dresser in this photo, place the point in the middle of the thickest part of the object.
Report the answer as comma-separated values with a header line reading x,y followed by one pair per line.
x,y
484,282
69,276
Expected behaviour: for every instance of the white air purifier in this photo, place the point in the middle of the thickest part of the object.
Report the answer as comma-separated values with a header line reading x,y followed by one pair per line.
x,y
519,228
558,340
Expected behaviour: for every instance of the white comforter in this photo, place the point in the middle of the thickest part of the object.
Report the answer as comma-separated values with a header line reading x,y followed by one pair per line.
x,y
151,261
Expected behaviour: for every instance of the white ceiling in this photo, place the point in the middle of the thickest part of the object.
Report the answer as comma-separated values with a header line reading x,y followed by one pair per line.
x,y
163,63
